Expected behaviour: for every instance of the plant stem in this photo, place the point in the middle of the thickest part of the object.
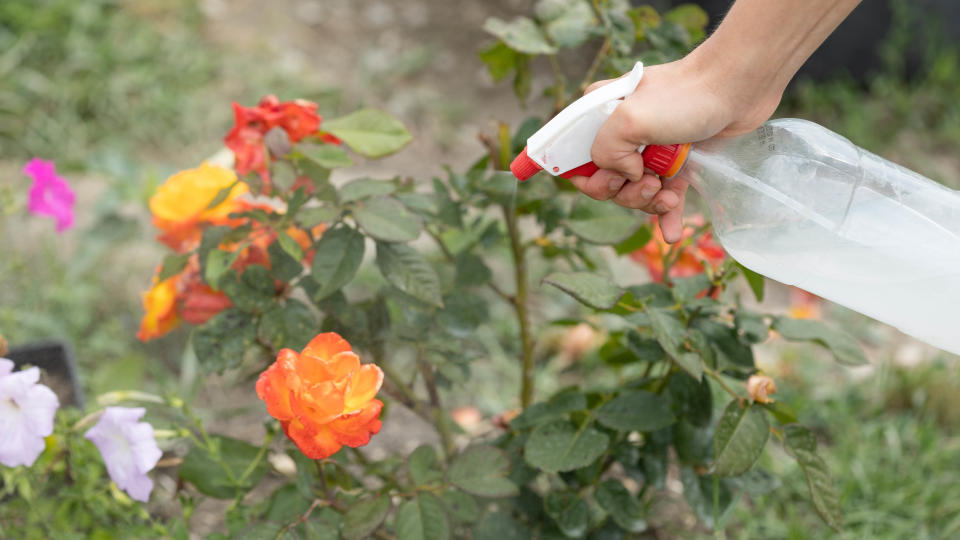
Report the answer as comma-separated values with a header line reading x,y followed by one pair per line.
x,y
716,376
451,257
440,416
559,99
520,305
400,391
595,65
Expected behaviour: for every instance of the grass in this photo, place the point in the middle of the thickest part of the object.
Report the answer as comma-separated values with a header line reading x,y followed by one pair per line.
x,y
890,441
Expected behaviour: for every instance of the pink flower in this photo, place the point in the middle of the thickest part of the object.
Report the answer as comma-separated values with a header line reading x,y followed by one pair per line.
x,y
26,414
50,195
128,449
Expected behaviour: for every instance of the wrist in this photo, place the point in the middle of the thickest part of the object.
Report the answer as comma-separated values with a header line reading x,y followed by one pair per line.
x,y
743,82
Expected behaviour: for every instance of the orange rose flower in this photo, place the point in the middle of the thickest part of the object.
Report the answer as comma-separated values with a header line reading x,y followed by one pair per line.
x,y
297,118
804,305
160,307
179,206
323,397
691,259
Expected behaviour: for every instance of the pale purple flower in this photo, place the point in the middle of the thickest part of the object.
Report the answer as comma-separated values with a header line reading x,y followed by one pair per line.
x,y
128,449
50,195
26,414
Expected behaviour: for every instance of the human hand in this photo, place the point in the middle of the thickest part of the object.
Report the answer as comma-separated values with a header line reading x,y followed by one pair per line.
x,y
676,102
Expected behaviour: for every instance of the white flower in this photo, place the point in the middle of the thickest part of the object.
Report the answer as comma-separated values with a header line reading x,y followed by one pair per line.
x,y
26,414
128,449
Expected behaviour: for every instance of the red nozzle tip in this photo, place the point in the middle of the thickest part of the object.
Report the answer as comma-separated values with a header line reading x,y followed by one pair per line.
x,y
523,167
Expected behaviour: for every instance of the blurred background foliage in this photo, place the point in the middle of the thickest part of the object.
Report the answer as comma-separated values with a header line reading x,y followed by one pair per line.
x,y
120,93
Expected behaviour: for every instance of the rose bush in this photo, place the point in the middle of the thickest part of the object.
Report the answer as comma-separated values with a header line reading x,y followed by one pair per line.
x,y
259,279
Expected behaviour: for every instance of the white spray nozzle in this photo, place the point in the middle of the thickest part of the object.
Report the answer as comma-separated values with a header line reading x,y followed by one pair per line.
x,y
564,142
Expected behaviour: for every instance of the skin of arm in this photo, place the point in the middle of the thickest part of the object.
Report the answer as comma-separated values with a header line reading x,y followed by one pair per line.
x,y
729,85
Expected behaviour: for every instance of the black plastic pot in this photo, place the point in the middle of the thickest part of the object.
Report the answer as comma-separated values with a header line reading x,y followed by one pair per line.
x,y
57,368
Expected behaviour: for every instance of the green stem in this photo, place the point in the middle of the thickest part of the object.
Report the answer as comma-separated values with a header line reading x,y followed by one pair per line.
x,y
400,390
560,97
716,376
595,65
259,457
440,416
451,257
520,306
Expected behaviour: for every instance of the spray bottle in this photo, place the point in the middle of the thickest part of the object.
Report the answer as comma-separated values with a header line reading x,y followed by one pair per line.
x,y
803,206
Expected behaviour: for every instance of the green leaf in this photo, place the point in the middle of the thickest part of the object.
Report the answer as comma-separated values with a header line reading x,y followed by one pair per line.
x,y
569,23
290,326
207,470
461,506
482,470
636,411
223,340
422,466
471,270
252,291
619,27
593,290
218,262
173,265
802,445
289,245
781,411
423,518
327,156
568,511
636,241
730,351
387,219
600,222
560,446
500,525
691,17
644,18
740,437
365,188
521,34
364,517
323,524
755,280
312,216
699,492
753,326
259,531
462,314
671,334
621,504
282,175
500,60
282,265
221,195
691,400
408,271
559,406
370,132
845,349
338,256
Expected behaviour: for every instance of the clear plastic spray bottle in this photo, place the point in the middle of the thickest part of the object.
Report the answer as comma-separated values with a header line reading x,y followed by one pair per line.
x,y
804,206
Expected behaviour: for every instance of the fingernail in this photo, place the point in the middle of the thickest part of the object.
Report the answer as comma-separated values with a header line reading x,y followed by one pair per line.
x,y
647,192
660,208
616,183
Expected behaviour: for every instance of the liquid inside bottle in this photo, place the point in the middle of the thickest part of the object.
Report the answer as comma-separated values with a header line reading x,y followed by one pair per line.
x,y
804,206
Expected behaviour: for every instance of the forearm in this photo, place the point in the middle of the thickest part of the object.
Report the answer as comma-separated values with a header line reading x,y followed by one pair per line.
x,y
761,44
